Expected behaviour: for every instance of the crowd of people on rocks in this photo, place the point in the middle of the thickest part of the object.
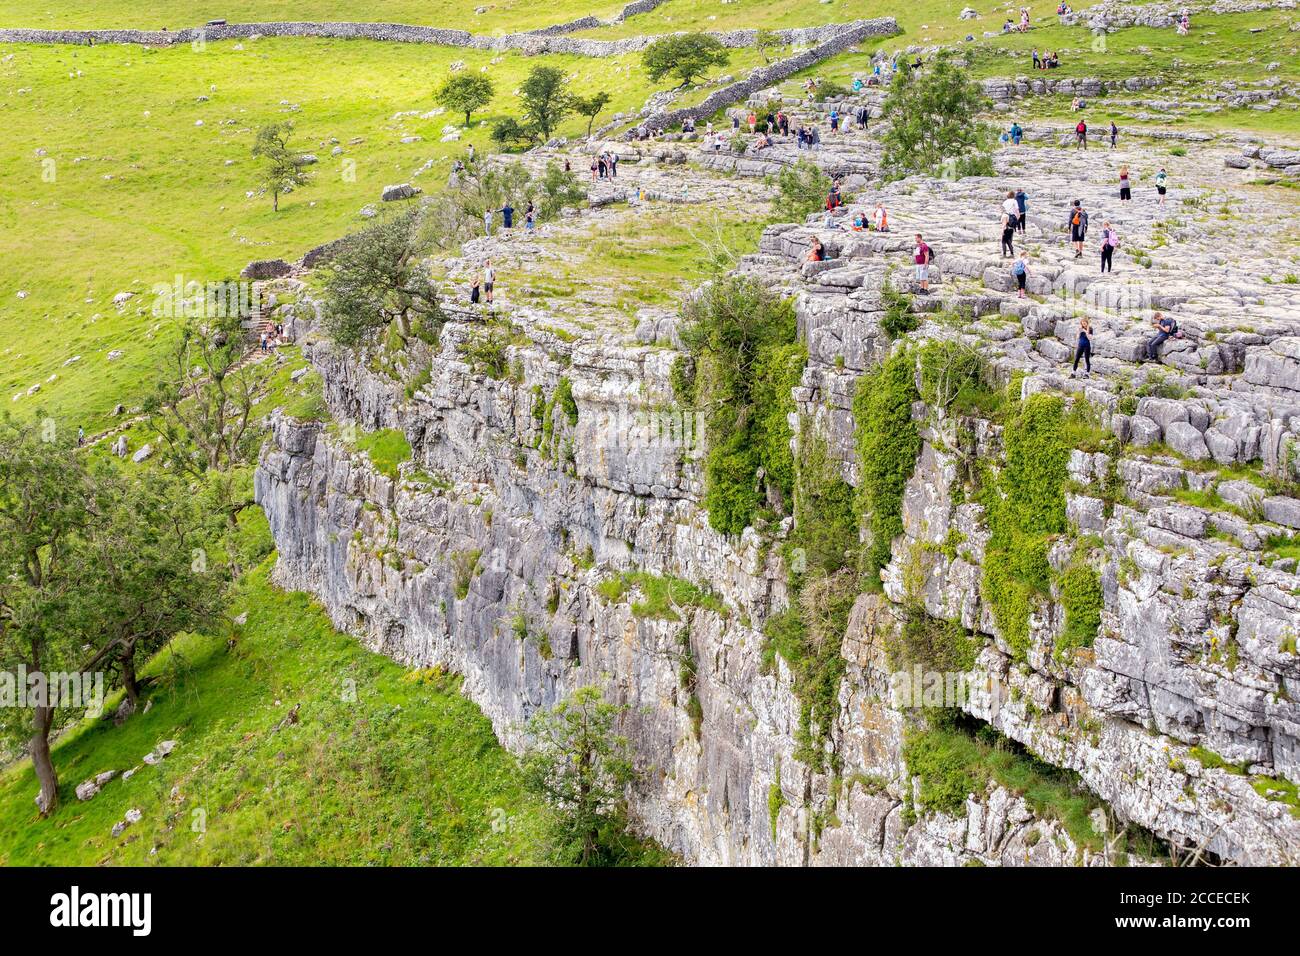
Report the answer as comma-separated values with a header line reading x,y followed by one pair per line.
x,y
271,339
604,165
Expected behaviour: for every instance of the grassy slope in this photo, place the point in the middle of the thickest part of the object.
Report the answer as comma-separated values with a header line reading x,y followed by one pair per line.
x,y
922,21
501,16
408,774
1221,47
172,205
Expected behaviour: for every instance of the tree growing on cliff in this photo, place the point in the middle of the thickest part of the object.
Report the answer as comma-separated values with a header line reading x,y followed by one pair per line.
x,y
378,278
202,406
590,107
545,98
801,190
578,764
282,168
685,56
932,126
465,93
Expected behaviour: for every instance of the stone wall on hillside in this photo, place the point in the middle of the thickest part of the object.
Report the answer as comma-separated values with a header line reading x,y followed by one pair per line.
x,y
593,22
767,76
530,43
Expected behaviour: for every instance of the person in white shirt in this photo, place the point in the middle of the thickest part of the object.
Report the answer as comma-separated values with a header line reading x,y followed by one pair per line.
x,y
1011,207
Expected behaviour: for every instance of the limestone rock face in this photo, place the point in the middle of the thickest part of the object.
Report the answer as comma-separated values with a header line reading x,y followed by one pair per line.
x,y
1176,713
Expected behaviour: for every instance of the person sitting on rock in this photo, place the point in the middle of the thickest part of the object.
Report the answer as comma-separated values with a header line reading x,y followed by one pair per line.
x,y
816,253
1165,327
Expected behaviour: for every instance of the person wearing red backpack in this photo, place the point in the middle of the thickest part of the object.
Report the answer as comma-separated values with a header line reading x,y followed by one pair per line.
x,y
1081,135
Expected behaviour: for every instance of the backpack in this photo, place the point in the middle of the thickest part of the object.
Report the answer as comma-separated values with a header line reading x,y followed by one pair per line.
x,y
1081,128
1077,218
929,254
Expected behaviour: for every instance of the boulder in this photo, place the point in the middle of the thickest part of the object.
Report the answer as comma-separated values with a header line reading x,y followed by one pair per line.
x,y
1183,438
403,191
265,269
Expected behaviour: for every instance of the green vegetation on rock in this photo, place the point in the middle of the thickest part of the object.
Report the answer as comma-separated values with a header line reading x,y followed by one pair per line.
x,y
888,443
747,359
1024,505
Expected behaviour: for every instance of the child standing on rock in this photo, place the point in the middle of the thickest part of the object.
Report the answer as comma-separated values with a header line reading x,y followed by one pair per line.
x,y
1162,183
489,280
1020,269
1125,192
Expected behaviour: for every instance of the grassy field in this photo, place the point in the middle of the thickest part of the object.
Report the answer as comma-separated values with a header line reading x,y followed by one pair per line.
x,y
403,771
1221,47
501,16
922,22
109,185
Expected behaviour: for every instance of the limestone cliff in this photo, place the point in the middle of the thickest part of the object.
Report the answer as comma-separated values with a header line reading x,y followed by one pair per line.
x,y
488,555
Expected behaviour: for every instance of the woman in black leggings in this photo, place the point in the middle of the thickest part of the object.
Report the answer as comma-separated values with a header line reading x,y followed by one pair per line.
x,y
1109,240
1084,348
1008,234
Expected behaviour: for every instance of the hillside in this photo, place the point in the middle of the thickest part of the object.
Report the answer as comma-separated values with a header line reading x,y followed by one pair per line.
x,y
716,455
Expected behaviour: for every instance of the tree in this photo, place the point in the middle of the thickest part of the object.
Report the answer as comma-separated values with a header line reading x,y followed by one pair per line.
x,y
932,127
378,277
801,190
578,764
545,98
559,189
465,93
765,41
95,565
590,107
144,562
43,496
283,170
684,55
508,133
203,406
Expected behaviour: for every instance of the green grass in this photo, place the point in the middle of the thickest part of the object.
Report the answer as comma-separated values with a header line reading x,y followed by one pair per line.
x,y
141,194
406,773
953,763
649,259
1284,546
386,447
501,16
660,595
